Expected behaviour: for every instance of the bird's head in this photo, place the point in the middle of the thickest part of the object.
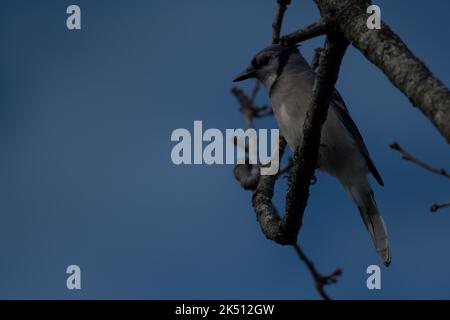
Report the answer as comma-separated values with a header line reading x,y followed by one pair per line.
x,y
268,64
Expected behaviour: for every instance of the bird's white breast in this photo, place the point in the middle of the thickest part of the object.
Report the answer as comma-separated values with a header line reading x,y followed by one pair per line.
x,y
291,124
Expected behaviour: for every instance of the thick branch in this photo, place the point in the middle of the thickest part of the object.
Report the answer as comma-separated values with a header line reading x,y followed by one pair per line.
x,y
285,230
387,51
305,164
409,157
266,213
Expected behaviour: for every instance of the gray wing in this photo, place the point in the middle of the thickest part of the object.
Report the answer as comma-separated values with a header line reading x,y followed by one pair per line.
x,y
338,104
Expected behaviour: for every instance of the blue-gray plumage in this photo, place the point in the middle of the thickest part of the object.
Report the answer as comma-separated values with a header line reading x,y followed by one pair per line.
x,y
342,153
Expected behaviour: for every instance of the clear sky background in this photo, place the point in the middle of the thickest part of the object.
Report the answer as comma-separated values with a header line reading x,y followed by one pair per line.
x,y
86,176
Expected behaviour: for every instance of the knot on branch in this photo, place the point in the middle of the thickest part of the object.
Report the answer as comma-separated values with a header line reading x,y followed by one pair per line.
x,y
247,175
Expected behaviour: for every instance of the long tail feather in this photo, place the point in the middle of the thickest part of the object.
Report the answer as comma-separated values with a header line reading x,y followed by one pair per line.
x,y
364,198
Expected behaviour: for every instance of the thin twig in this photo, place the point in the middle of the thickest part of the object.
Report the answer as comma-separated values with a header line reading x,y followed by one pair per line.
x,y
320,280
409,157
435,207
316,58
247,174
276,26
255,91
247,106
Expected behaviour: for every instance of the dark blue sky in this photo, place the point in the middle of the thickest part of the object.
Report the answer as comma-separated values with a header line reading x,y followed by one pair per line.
x,y
86,176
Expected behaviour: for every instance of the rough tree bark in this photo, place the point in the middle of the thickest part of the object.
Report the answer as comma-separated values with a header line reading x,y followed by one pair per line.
x,y
388,52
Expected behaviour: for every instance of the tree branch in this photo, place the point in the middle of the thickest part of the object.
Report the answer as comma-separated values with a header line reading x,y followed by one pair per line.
x,y
320,280
247,106
276,26
316,58
285,230
388,52
313,30
247,174
343,21
409,157
435,207
305,164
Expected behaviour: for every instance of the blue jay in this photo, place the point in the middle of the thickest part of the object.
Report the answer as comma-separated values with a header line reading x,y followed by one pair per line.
x,y
342,153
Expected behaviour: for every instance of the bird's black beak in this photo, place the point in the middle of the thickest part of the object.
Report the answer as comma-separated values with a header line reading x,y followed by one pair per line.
x,y
250,72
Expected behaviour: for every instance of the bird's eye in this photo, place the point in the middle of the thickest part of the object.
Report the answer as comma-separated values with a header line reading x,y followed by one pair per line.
x,y
264,61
